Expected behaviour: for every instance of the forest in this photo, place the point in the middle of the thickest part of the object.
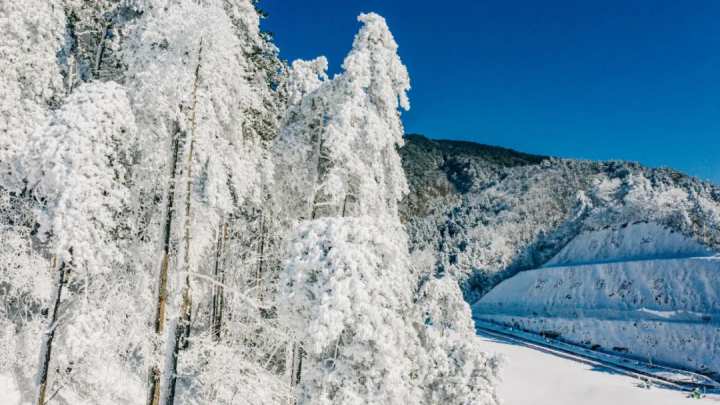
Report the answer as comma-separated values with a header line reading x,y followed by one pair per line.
x,y
187,218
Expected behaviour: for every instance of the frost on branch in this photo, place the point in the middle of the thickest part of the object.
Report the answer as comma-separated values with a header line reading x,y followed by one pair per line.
x,y
32,35
348,297
347,289
77,166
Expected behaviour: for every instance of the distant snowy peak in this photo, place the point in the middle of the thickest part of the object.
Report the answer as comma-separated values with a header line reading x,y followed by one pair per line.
x,y
638,241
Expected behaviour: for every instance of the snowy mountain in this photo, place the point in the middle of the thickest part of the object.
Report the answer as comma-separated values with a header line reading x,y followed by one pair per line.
x,y
186,218
610,255
487,213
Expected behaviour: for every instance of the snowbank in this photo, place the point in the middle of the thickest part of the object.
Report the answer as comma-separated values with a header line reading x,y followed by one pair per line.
x,y
630,242
532,377
9,393
665,310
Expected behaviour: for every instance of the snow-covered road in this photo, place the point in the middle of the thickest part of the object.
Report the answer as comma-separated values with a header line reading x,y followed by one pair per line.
x,y
531,377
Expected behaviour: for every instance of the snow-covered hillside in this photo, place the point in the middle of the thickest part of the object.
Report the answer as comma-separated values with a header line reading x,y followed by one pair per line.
x,y
630,242
487,213
664,310
610,255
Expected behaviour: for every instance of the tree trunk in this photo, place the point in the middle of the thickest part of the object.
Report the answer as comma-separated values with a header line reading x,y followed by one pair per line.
x,y
100,51
218,299
46,350
319,174
294,363
154,398
182,330
345,203
261,257
321,167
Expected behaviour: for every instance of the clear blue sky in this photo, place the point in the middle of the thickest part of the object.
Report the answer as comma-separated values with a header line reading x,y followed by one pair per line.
x,y
599,79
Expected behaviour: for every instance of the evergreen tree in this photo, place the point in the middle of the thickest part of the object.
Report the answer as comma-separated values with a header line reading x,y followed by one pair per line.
x,y
347,291
202,102
31,80
347,288
77,167
455,370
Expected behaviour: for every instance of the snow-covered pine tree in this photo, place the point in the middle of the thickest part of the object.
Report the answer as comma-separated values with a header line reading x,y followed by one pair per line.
x,y
31,80
347,287
455,370
347,300
77,168
296,151
202,105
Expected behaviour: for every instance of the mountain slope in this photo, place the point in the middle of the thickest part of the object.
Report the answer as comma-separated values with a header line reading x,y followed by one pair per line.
x,y
487,213
664,311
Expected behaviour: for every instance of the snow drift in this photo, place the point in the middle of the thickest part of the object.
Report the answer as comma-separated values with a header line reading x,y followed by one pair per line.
x,y
630,242
663,310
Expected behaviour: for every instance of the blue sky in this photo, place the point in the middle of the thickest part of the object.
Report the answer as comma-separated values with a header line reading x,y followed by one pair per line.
x,y
602,79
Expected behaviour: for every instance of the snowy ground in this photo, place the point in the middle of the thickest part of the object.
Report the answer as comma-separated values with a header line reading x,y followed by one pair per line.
x,y
8,391
531,377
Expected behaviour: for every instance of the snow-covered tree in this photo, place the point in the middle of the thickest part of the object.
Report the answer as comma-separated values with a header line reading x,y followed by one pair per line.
x,y
26,285
375,83
347,287
455,370
347,291
296,152
31,81
77,168
347,130
347,294
202,104
95,31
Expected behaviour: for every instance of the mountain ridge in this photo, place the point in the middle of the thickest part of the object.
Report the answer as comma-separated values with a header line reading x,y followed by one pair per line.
x,y
486,212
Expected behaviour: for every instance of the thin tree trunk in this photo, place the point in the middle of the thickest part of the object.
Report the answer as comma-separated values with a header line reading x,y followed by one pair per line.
x,y
46,350
72,60
100,51
261,258
344,208
218,299
154,398
294,366
320,167
182,330
318,176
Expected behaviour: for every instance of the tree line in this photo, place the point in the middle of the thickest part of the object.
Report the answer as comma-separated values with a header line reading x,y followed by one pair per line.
x,y
187,218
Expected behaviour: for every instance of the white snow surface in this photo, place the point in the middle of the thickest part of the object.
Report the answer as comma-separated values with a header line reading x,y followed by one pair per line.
x,y
531,377
9,393
666,310
691,285
645,240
